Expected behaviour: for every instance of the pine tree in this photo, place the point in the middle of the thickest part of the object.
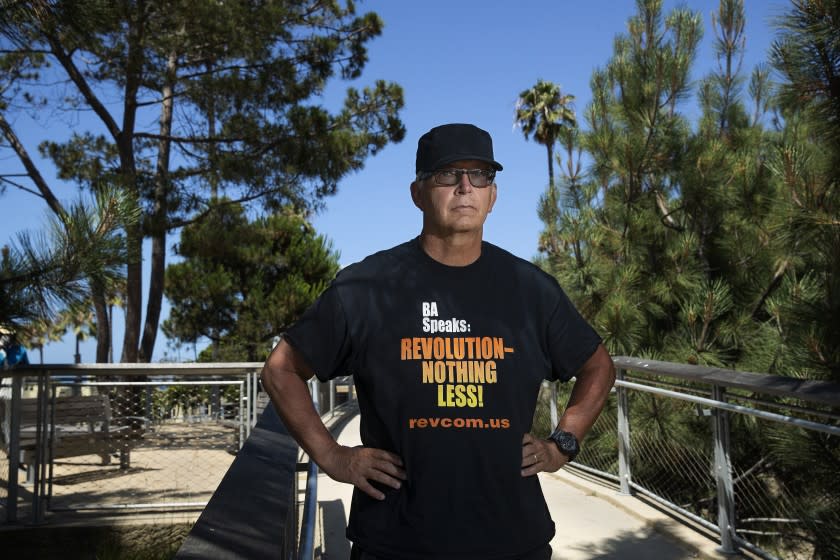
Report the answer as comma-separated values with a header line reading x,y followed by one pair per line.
x,y
623,219
207,109
243,282
807,54
715,243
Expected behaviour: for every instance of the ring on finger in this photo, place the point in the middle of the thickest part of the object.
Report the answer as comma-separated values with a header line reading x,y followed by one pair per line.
x,y
536,459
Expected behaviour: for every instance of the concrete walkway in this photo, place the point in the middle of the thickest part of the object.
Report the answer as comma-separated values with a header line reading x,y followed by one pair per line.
x,y
592,521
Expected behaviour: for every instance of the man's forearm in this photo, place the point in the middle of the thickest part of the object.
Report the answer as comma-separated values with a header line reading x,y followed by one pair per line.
x,y
284,377
589,394
293,404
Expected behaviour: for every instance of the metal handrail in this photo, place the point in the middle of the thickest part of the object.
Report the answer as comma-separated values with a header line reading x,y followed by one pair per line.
x,y
810,390
97,370
820,393
306,549
807,424
306,544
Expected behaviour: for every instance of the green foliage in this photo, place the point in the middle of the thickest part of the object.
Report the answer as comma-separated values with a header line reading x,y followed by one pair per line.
x,y
42,274
807,165
206,110
715,242
243,282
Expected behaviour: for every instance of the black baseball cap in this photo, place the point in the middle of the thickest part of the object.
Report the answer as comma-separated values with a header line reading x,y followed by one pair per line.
x,y
454,142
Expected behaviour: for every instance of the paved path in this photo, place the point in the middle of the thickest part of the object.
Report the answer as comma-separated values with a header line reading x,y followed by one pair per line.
x,y
592,521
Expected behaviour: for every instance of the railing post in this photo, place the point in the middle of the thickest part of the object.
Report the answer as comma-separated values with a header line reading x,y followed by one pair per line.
x,y
314,390
249,390
41,441
243,411
723,474
255,384
552,405
332,397
306,550
14,449
624,473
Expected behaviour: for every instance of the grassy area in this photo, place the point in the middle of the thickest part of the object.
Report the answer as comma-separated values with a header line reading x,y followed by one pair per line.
x,y
111,542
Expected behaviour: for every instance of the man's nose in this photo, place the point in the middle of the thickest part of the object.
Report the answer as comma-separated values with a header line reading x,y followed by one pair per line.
x,y
464,184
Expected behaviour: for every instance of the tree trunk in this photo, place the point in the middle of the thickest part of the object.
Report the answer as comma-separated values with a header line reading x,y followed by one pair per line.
x,y
110,334
133,294
77,358
161,211
128,169
103,324
549,147
155,302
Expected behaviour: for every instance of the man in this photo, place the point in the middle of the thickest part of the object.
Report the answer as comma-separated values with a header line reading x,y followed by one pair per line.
x,y
449,339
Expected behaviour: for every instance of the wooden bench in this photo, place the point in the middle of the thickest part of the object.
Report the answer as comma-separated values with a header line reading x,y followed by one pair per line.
x,y
76,426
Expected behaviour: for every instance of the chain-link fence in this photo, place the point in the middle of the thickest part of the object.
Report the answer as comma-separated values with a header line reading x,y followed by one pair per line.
x,y
768,464
143,440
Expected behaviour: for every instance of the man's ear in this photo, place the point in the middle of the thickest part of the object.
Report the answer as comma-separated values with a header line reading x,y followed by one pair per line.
x,y
492,198
415,194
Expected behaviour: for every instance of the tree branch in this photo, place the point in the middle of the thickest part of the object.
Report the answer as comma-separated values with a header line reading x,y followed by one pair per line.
x,y
76,77
32,170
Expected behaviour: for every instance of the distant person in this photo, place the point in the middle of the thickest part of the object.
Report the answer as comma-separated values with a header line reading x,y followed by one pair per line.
x,y
449,339
12,354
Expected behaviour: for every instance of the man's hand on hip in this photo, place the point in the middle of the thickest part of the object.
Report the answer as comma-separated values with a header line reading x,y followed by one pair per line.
x,y
540,455
361,465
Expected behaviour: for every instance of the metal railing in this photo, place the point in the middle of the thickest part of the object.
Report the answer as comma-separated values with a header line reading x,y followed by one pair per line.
x,y
131,437
267,479
753,458
120,437
336,410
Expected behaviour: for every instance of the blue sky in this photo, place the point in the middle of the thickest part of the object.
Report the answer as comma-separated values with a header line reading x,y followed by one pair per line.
x,y
457,61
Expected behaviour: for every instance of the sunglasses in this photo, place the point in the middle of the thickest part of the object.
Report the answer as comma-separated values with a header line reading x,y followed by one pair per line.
x,y
479,178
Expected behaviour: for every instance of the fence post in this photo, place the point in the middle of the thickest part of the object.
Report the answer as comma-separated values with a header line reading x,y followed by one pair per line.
x,y
243,410
249,389
552,404
14,449
723,474
41,442
332,398
255,385
624,473
314,389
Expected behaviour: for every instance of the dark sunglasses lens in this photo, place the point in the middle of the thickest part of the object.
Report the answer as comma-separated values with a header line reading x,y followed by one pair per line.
x,y
448,177
478,178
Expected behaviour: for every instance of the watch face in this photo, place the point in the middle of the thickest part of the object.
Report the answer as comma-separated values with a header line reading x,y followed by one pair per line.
x,y
567,443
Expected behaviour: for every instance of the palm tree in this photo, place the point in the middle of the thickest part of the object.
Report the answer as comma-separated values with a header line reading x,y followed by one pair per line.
x,y
80,320
546,113
115,298
41,332
543,112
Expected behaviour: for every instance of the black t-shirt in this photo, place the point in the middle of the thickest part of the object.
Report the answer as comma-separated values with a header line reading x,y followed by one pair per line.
x,y
447,363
